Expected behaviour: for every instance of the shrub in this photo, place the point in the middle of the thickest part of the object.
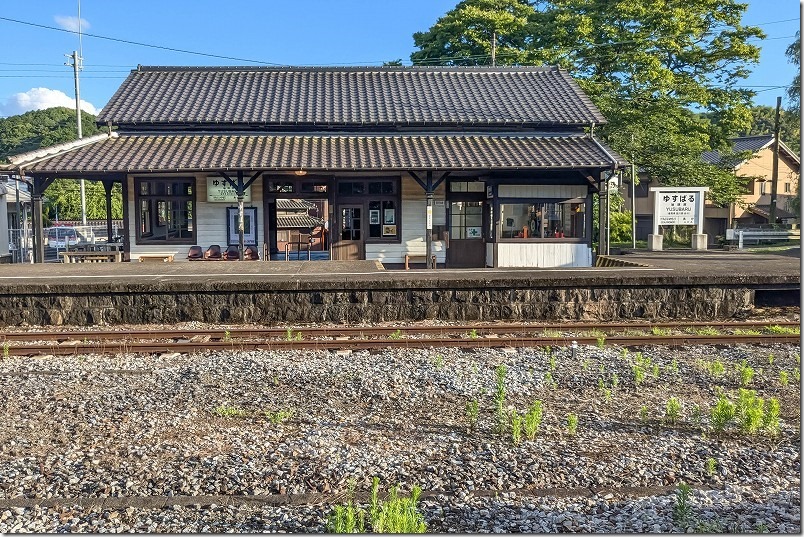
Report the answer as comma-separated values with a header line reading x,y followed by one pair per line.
x,y
770,420
643,413
746,373
394,515
711,466
783,378
516,427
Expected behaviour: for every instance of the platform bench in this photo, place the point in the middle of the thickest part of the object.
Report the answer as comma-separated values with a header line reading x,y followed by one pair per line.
x,y
156,258
91,257
413,258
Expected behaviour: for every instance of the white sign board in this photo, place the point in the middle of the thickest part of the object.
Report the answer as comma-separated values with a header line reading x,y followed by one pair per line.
x,y
219,191
677,208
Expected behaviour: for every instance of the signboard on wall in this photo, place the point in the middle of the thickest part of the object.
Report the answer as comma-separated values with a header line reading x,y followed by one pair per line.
x,y
677,208
219,191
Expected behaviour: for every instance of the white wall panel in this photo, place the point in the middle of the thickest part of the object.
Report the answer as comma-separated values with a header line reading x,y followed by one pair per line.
x,y
543,255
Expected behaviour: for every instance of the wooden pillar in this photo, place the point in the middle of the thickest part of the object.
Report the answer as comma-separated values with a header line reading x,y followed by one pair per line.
x,y
107,186
126,220
428,228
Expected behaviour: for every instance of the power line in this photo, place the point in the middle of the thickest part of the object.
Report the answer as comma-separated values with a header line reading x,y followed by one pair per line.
x,y
137,43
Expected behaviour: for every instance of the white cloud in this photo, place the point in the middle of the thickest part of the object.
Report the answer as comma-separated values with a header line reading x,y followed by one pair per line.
x,y
39,99
71,23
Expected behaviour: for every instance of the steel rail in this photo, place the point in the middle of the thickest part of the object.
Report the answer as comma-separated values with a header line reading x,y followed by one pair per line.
x,y
357,331
144,347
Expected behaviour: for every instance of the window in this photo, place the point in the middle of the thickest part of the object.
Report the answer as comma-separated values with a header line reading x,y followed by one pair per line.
x,y
787,188
285,187
467,186
466,220
380,197
316,187
763,187
539,220
165,210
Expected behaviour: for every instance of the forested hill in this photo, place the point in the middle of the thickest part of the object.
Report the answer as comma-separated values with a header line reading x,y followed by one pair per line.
x,y
41,128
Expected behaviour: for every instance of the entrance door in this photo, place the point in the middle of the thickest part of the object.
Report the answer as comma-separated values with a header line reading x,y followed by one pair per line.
x,y
350,238
467,247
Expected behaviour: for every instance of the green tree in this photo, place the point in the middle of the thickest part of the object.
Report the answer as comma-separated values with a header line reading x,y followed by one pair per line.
x,y
644,63
793,53
465,34
43,128
763,118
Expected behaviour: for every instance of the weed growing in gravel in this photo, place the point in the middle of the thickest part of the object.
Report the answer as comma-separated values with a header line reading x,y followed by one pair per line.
x,y
783,380
655,371
658,331
607,394
552,362
516,427
499,398
5,349
682,510
623,354
473,333
746,373
229,411
585,365
533,420
549,381
227,335
696,416
615,380
394,515
707,331
397,334
643,413
639,375
438,362
472,411
749,411
674,367
747,332
290,335
770,419
722,414
776,329
572,423
672,411
601,342
280,416
711,466
797,376
550,333
715,368
770,359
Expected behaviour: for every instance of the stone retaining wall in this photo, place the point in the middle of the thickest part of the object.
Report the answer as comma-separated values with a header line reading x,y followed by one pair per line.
x,y
265,305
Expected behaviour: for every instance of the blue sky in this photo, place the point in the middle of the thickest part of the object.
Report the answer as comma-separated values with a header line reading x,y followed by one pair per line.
x,y
298,32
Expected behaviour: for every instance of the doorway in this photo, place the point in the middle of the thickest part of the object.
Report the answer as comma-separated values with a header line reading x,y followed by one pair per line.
x,y
467,245
350,236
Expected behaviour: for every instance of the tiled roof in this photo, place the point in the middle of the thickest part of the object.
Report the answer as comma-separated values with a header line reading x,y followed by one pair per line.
x,y
283,204
764,211
748,143
354,96
297,221
184,153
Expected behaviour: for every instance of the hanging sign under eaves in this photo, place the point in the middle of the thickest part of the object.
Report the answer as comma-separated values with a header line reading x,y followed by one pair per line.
x,y
219,191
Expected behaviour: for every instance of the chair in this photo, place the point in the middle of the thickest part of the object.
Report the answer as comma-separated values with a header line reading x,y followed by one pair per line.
x,y
251,253
213,253
196,253
232,253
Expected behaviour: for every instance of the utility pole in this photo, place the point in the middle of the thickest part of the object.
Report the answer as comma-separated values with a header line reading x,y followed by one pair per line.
x,y
775,172
633,196
77,60
494,48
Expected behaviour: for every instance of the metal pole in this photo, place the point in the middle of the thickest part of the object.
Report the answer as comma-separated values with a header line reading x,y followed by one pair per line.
x,y
18,239
633,200
775,172
76,66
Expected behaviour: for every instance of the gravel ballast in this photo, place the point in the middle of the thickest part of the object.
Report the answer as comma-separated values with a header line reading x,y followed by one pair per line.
x,y
271,441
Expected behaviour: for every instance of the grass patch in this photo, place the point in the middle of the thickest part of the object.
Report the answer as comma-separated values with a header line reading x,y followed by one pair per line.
x,y
393,515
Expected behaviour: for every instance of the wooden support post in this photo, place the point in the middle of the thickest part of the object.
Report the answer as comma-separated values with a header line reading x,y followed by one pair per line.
x,y
428,228
107,186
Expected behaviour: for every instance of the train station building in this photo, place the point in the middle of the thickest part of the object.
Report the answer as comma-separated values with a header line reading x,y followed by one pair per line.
x,y
467,166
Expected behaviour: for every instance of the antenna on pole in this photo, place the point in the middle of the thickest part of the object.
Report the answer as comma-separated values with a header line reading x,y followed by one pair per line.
x,y
77,65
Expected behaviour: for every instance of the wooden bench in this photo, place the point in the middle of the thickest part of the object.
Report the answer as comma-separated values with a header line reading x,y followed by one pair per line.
x,y
91,257
156,258
422,258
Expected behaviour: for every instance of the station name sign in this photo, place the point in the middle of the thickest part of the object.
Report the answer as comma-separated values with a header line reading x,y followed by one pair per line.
x,y
219,191
677,208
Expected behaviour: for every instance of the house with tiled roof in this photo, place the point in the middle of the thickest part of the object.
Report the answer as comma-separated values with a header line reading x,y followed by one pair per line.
x,y
755,163
477,166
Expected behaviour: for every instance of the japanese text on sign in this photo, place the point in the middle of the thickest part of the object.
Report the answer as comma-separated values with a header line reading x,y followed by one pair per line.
x,y
218,190
677,209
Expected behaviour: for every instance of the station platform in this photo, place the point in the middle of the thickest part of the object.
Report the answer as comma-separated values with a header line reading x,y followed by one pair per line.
x,y
658,285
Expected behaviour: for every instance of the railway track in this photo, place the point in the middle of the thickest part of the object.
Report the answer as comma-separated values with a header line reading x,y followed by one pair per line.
x,y
68,342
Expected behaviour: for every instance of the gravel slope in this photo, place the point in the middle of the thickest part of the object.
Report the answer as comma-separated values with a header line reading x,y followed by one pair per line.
x,y
195,443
